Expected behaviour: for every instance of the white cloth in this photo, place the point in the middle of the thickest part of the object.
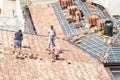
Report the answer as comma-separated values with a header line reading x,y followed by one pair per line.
x,y
51,32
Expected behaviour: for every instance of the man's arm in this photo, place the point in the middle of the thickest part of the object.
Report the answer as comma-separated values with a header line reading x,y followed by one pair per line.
x,y
48,32
55,33
21,36
14,36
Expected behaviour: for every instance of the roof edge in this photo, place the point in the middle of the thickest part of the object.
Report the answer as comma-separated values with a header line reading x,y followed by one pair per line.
x,y
111,64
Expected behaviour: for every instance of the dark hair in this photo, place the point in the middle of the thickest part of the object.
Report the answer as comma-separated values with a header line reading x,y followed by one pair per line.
x,y
20,30
108,21
51,27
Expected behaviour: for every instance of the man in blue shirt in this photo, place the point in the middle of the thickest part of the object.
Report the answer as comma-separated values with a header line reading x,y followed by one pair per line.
x,y
18,40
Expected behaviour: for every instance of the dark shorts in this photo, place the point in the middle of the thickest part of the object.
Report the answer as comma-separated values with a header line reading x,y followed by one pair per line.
x,y
17,43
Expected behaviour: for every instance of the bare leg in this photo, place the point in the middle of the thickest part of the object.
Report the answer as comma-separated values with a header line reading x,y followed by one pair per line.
x,y
20,50
14,49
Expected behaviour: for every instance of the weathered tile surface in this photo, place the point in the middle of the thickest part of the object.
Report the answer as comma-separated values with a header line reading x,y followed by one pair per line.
x,y
82,66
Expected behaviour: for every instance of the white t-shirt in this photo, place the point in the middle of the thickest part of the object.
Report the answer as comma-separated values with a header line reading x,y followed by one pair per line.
x,y
51,32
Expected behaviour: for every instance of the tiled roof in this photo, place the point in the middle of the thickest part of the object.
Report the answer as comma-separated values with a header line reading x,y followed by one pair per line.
x,y
43,16
74,64
91,43
112,56
82,65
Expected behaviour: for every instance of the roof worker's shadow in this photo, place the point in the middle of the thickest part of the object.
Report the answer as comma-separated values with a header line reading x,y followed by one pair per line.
x,y
61,59
63,50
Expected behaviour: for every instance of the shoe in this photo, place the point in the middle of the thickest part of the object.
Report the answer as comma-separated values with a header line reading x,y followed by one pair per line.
x,y
48,49
57,58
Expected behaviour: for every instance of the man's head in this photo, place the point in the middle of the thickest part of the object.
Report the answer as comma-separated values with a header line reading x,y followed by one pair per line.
x,y
19,30
109,21
51,27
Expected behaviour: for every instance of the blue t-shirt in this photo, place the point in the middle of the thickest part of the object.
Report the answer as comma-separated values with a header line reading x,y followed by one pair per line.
x,y
18,36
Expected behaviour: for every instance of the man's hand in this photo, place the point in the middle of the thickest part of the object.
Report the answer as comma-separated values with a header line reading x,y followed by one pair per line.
x,y
21,38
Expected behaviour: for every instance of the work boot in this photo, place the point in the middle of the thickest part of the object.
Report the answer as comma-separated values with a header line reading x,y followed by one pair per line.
x,y
48,49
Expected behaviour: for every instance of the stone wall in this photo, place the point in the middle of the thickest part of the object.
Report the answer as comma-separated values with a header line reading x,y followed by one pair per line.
x,y
7,7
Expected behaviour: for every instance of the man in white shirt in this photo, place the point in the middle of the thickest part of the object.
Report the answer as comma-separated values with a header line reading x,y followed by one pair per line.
x,y
51,34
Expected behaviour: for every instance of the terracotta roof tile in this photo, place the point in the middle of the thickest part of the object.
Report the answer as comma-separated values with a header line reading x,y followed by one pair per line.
x,y
74,64
43,17
81,64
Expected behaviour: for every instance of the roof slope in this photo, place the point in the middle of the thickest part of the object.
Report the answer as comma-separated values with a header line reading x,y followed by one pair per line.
x,y
43,16
91,43
82,67
112,56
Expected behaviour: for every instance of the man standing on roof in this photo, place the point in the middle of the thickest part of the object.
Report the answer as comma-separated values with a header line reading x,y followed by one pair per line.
x,y
18,40
51,34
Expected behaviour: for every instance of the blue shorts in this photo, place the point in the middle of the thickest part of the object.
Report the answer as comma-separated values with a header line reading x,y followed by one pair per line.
x,y
18,43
